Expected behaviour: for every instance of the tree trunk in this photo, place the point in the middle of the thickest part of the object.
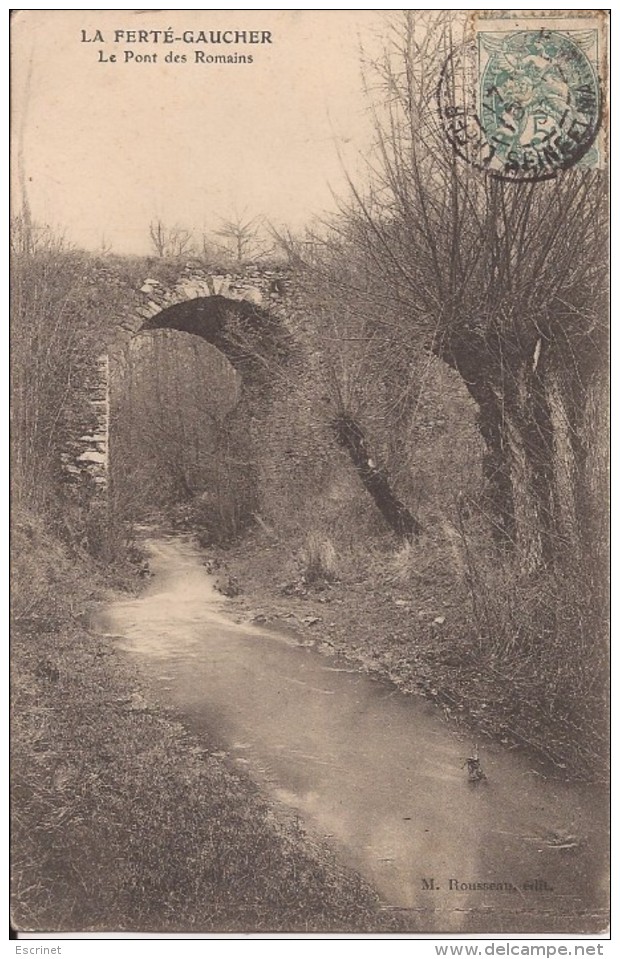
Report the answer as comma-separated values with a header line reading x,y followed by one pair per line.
x,y
496,465
529,432
593,477
518,430
375,480
467,357
568,462
528,524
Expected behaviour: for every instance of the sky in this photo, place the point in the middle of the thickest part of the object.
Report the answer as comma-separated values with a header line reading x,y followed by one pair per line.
x,y
110,146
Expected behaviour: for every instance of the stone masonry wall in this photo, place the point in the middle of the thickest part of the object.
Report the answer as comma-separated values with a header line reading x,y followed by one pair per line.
x,y
86,457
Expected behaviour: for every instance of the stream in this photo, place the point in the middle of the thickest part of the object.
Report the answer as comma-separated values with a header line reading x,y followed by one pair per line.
x,y
376,774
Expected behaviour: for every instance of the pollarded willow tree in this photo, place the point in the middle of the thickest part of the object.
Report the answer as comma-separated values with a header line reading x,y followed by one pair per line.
x,y
505,281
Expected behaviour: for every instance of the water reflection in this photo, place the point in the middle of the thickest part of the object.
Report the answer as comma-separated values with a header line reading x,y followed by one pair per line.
x,y
380,774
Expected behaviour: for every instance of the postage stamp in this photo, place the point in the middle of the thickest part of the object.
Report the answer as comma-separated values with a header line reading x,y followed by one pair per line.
x,y
525,101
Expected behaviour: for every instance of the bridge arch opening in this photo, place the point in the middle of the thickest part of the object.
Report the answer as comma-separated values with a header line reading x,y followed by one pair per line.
x,y
186,392
253,339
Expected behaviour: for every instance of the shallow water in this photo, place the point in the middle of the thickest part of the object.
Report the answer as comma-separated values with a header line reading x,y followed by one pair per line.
x,y
378,773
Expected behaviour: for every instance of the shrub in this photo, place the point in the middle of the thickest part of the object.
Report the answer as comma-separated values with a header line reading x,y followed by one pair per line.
x,y
543,637
318,559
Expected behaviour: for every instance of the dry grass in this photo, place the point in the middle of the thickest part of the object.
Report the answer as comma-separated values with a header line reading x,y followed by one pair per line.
x,y
522,660
543,641
318,562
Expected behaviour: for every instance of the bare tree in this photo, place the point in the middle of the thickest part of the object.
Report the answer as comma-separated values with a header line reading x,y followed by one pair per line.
x,y
243,237
105,247
504,281
169,241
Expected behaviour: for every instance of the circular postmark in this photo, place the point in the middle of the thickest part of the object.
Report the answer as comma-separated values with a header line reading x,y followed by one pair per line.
x,y
523,105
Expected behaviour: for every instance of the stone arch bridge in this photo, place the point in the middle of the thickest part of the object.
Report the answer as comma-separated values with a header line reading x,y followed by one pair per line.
x,y
247,316
257,320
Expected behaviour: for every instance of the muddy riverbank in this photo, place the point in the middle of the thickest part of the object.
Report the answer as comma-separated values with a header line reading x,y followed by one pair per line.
x,y
419,635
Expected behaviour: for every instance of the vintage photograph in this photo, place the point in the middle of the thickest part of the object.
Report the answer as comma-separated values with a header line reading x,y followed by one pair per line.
x,y
310,472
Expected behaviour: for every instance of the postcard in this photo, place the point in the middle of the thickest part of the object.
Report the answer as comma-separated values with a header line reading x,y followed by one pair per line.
x,y
310,472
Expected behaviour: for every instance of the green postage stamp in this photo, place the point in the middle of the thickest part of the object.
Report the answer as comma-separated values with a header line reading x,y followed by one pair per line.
x,y
522,98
